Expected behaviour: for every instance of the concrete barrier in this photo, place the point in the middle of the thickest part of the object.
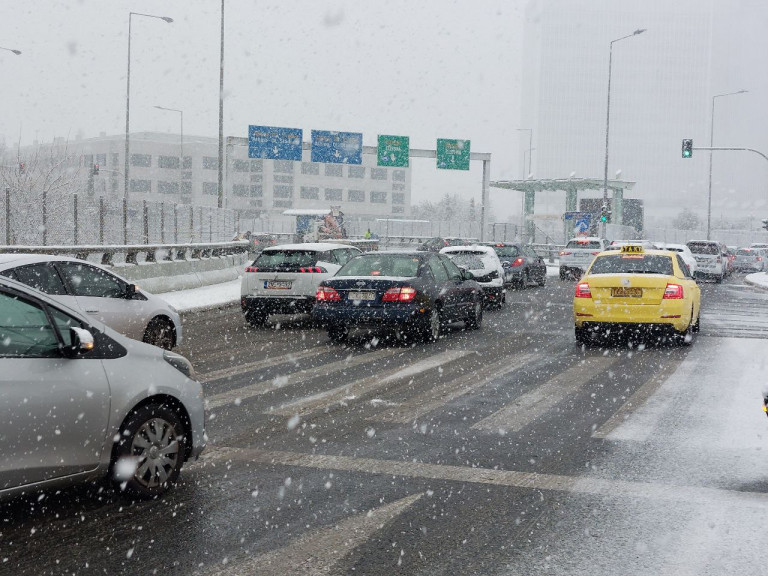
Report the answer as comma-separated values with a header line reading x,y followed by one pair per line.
x,y
184,274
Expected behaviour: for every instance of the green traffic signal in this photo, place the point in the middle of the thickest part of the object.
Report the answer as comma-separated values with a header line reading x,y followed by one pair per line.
x,y
687,148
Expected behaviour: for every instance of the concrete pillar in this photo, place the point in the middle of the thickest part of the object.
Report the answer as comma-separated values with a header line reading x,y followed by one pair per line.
x,y
571,199
530,229
617,206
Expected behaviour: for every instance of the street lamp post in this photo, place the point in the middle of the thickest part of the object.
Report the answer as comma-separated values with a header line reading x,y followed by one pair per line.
x,y
608,120
181,143
530,144
17,52
711,144
221,112
128,97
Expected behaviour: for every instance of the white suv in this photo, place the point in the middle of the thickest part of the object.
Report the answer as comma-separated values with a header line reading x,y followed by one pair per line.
x,y
711,259
578,254
284,279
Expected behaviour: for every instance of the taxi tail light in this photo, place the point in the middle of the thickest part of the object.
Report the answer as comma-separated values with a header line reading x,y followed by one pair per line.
x,y
327,294
405,294
250,269
583,291
313,269
518,262
673,292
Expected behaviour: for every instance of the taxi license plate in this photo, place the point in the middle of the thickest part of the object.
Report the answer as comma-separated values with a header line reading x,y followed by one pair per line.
x,y
627,292
362,296
278,284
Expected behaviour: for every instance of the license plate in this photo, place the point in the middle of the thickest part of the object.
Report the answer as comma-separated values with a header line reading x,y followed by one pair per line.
x,y
362,296
278,284
627,292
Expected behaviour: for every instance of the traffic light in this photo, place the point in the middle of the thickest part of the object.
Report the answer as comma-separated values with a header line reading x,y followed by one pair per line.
x,y
687,148
604,213
22,167
95,169
765,223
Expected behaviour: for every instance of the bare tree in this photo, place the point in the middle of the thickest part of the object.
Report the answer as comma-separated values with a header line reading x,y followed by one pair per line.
x,y
41,184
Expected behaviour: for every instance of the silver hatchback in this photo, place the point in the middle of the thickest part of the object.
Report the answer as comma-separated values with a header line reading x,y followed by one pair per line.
x,y
80,402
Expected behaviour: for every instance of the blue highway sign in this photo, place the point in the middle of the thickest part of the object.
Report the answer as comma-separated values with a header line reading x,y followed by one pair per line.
x,y
337,147
272,143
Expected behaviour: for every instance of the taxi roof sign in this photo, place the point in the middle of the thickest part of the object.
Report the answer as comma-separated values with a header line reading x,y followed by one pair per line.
x,y
632,249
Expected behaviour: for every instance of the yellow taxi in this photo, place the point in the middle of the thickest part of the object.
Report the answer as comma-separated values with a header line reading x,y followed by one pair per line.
x,y
637,288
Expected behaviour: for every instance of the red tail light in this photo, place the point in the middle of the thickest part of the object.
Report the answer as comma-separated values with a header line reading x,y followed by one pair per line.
x,y
313,270
673,292
596,252
251,269
518,262
565,253
405,294
583,291
759,258
327,294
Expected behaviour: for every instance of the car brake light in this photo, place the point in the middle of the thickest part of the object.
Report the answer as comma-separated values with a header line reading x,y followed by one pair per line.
x,y
313,270
673,292
759,258
327,294
583,291
251,269
564,253
595,253
518,262
405,294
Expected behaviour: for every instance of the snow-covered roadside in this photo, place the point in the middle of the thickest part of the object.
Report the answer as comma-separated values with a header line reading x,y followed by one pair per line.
x,y
204,297
758,279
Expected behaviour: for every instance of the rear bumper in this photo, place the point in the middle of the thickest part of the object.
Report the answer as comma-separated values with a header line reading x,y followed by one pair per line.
x,y
362,316
608,329
277,305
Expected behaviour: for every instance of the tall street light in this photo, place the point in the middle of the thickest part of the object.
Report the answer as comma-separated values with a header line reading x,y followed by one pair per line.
x,y
221,112
530,143
711,144
128,97
181,142
17,52
608,120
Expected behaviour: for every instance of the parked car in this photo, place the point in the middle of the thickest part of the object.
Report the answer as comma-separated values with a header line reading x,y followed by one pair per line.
x,y
414,292
578,254
100,293
750,260
522,265
486,268
711,259
80,402
685,254
283,279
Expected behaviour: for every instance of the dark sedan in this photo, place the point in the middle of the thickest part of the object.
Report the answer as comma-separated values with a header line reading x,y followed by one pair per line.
x,y
522,265
414,292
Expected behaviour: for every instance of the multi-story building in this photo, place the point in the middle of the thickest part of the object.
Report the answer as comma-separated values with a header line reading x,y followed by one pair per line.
x,y
160,172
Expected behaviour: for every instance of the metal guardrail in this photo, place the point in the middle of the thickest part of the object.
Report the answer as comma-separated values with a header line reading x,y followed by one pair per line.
x,y
169,252
549,251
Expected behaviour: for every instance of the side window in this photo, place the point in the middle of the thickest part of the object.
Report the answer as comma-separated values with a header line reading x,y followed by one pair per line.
x,y
453,271
87,280
25,331
326,257
438,271
683,266
43,277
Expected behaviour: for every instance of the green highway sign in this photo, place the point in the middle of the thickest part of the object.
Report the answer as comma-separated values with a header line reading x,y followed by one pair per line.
x,y
452,154
393,151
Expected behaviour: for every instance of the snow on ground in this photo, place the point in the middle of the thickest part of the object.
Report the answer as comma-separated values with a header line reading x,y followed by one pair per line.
x,y
204,297
759,279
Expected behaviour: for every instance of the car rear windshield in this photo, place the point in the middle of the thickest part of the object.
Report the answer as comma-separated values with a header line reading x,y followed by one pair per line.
x,y
585,244
507,251
745,252
288,259
397,265
632,264
703,248
468,260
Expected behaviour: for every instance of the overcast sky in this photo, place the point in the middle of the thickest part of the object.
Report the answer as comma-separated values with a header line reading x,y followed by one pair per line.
x,y
427,69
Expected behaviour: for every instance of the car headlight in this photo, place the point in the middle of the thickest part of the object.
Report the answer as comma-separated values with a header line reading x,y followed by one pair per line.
x,y
180,363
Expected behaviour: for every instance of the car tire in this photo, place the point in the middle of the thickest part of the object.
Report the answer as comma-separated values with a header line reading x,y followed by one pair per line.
x,y
581,335
543,280
153,436
256,319
338,333
720,278
431,331
475,320
161,333
563,273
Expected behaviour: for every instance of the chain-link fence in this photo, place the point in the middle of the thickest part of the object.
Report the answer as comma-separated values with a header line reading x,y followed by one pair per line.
x,y
84,220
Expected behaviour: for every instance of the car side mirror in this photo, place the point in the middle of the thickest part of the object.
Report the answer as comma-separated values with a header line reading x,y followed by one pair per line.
x,y
506,263
130,291
82,342
466,274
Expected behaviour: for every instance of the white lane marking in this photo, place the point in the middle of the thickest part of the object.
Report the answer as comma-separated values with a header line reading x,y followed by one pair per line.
x,y
577,484
638,399
442,394
364,386
291,357
534,404
319,551
259,388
